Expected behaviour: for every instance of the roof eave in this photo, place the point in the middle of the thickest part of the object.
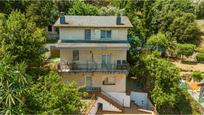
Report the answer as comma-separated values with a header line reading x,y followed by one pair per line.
x,y
67,26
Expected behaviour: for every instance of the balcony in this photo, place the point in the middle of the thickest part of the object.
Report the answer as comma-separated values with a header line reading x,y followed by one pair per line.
x,y
93,67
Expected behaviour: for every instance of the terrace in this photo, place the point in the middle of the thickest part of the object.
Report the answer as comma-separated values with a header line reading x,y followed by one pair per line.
x,y
93,67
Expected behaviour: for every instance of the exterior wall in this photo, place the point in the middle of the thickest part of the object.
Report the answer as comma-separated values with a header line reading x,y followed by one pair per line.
x,y
97,80
141,99
79,33
107,106
122,97
85,55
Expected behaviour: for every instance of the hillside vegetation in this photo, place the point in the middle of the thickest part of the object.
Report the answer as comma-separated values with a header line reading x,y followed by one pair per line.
x,y
162,30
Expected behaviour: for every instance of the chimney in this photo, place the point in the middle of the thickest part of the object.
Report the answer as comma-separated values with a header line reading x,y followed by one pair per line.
x,y
118,20
62,18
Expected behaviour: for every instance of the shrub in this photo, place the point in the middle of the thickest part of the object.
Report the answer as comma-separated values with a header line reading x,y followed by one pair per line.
x,y
197,75
200,57
185,49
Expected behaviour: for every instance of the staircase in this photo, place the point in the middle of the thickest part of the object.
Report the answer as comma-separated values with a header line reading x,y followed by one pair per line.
x,y
112,100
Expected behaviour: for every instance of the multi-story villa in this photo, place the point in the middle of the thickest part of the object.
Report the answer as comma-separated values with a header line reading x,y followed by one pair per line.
x,y
93,52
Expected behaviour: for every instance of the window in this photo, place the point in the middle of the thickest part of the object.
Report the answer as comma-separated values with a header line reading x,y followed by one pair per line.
x,y
87,34
105,33
49,28
109,80
76,55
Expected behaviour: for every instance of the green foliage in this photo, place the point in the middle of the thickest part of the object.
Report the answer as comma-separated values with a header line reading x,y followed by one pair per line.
x,y
200,57
7,6
50,96
191,106
200,10
13,84
121,4
20,38
184,29
185,49
82,8
110,11
158,42
197,75
64,5
42,12
175,18
163,78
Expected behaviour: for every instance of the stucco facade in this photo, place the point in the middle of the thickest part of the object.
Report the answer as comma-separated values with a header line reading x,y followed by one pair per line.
x,y
72,34
97,80
86,55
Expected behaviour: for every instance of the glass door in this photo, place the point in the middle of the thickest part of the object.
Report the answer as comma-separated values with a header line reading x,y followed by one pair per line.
x,y
106,61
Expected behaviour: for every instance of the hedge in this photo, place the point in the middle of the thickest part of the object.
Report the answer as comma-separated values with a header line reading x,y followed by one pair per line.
x,y
200,57
197,75
185,49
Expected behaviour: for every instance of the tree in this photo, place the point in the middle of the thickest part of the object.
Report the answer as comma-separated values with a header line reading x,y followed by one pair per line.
x,y
121,4
20,38
163,78
82,8
7,6
158,42
176,18
184,29
13,84
64,5
110,11
50,96
42,12
200,10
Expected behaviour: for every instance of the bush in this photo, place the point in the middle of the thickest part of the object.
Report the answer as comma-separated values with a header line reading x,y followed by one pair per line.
x,y
200,57
185,49
197,75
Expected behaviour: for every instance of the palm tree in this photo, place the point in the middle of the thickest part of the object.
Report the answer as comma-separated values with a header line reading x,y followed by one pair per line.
x,y
12,86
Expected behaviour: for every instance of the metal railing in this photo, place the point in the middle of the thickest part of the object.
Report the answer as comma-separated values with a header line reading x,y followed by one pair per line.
x,y
89,106
90,89
93,67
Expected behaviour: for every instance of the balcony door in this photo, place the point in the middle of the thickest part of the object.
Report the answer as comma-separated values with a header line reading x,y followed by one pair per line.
x,y
87,34
106,61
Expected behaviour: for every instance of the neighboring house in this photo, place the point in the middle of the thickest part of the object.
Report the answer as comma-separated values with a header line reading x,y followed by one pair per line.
x,y
93,52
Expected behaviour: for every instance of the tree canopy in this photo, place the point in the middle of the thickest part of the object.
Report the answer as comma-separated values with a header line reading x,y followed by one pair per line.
x,y
158,42
82,8
50,95
163,78
43,12
21,38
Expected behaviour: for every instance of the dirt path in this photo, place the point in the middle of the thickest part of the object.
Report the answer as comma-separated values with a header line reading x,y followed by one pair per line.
x,y
189,67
